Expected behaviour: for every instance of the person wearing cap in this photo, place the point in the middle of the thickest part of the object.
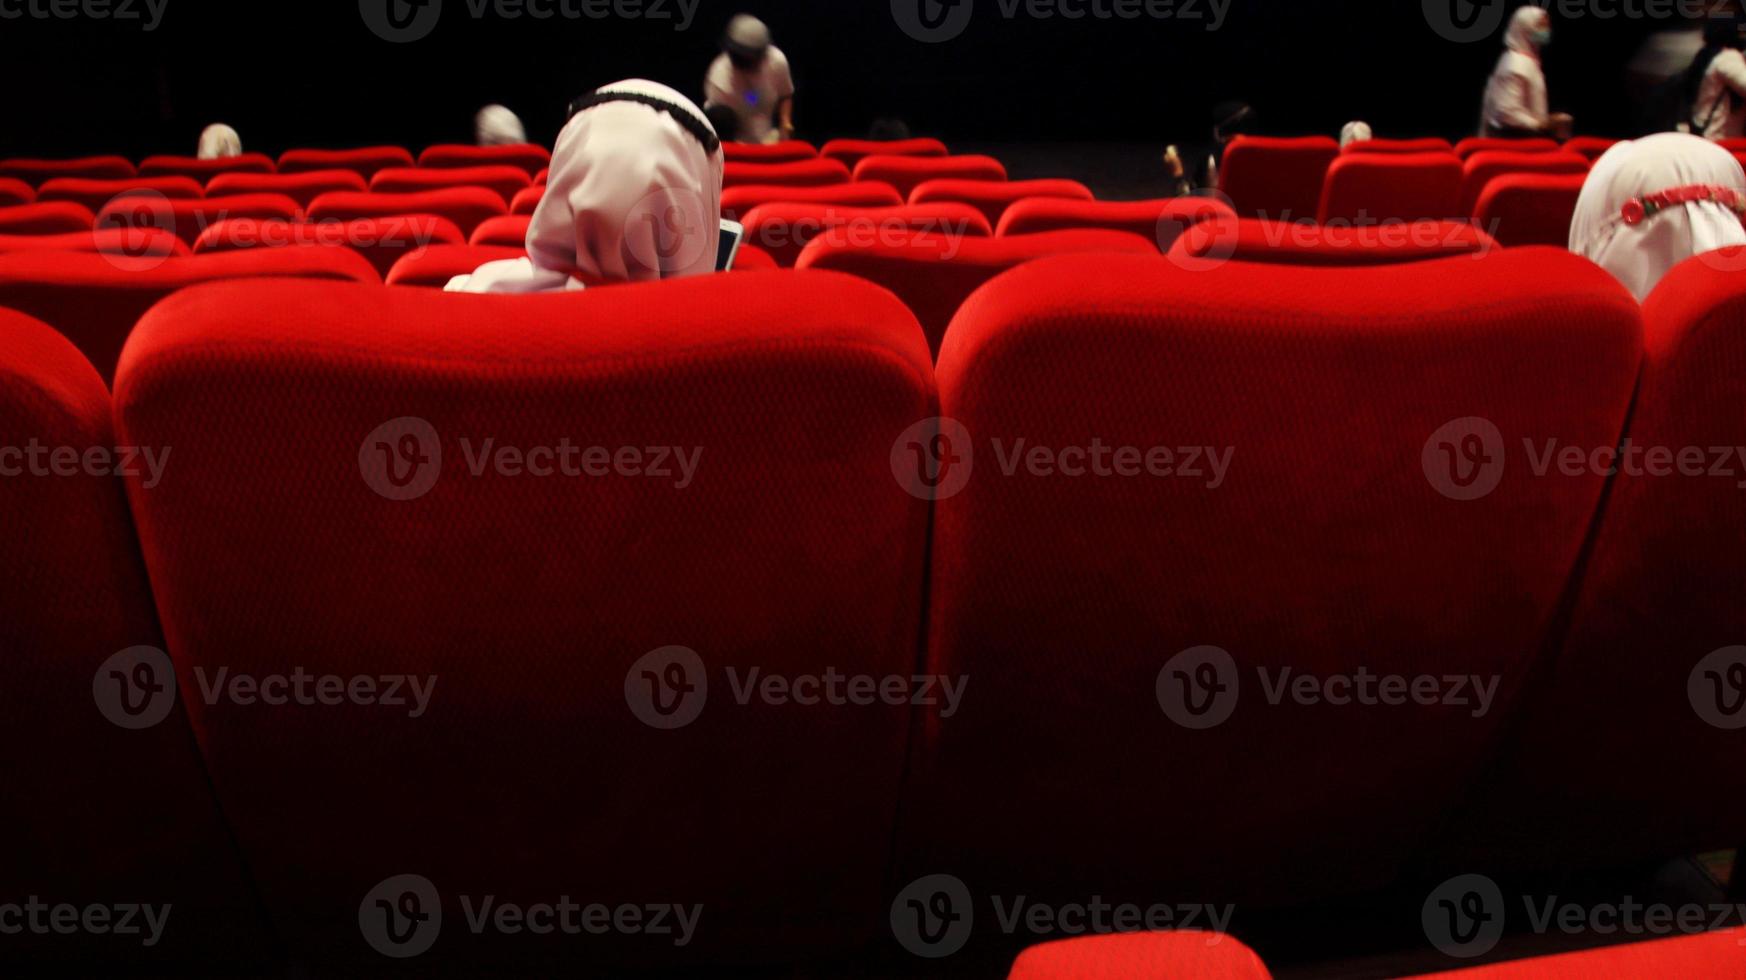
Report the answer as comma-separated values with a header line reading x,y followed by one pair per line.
x,y
751,77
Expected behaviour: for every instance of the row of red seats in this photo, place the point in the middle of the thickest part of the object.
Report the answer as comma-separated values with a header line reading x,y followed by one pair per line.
x,y
824,518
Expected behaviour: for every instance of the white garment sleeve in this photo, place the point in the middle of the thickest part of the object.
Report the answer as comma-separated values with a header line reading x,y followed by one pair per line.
x,y
1732,71
1514,104
780,77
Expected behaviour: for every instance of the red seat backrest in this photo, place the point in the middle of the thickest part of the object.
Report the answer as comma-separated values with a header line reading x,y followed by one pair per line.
x,y
364,161
527,157
303,188
1160,220
1482,168
906,173
1372,188
739,201
1293,243
504,181
852,152
527,200
993,197
382,241
1592,147
432,268
1141,956
787,151
56,217
1530,209
806,173
187,219
135,243
785,230
1429,144
97,194
37,172
14,192
1492,144
467,207
508,230
205,170
1276,178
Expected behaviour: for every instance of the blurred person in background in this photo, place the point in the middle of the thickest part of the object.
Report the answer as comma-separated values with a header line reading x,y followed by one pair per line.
x,y
495,125
751,76
219,142
1515,97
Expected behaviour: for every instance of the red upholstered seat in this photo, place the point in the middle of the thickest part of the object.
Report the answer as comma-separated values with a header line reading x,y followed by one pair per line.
x,y
1098,593
527,200
467,207
1530,209
992,197
934,273
433,267
806,173
1141,956
751,258
1160,220
852,152
303,188
1429,144
73,595
37,172
739,201
1491,144
540,178
54,218
508,230
1482,168
787,151
1717,955
364,161
135,243
504,181
14,192
1733,145
1592,147
94,300
205,170
1290,243
187,219
530,158
784,230
906,173
787,549
1276,178
383,241
97,194
1371,188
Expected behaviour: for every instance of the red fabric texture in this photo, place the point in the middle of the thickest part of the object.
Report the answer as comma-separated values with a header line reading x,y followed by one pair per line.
x,y
1488,144
509,230
134,242
806,173
906,173
364,161
738,201
1289,243
1592,147
933,273
785,230
504,181
791,550
1327,386
1276,178
852,152
94,300
97,194
1160,220
1372,188
36,172
529,158
14,192
540,178
751,258
467,207
54,218
1530,209
382,241
527,200
1709,956
1141,956
1481,169
1429,144
303,188
992,197
187,219
432,268
787,151
205,170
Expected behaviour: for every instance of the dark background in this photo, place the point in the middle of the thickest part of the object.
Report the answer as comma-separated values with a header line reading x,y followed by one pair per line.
x,y
310,73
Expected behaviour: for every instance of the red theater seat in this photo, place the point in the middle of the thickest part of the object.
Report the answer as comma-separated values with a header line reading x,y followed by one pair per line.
x,y
1430,144
133,243
906,173
806,173
205,170
788,538
737,201
467,207
852,152
934,273
55,218
37,172
14,192
526,157
1059,588
1482,168
527,200
364,161
97,194
751,258
1530,209
303,188
1707,956
1290,243
432,268
1733,145
94,300
187,219
1371,188
1141,956
1161,220
1493,144
1279,179
541,177
506,182
1592,147
787,151
383,241
992,198
508,230
784,230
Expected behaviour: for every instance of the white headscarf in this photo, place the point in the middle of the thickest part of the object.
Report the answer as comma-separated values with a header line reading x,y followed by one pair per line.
x,y
633,197
1520,36
495,125
219,141
1355,131
1640,255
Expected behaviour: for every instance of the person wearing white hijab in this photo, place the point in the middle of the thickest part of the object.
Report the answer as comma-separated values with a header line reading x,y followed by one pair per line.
x,y
634,196
496,125
218,142
1356,131
1515,97
1650,204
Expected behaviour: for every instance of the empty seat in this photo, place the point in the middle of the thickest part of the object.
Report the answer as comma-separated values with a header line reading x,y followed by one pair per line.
x,y
806,173
527,200
1291,243
787,151
1141,956
14,192
1372,188
364,161
467,207
382,241
433,267
1160,220
127,243
37,172
504,181
205,170
1482,168
851,152
1592,147
785,537
906,173
527,157
1529,209
96,194
934,273
303,188
992,197
94,300
739,201
1429,144
508,230
1706,956
1277,178
1493,144
784,230
54,218
187,219
1280,416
